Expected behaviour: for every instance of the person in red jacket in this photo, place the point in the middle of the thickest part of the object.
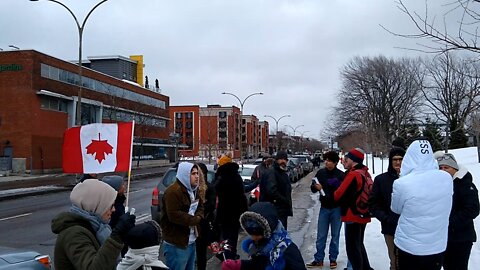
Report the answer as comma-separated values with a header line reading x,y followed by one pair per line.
x,y
346,196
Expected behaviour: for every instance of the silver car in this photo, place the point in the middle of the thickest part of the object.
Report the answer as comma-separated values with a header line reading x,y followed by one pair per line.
x,y
18,259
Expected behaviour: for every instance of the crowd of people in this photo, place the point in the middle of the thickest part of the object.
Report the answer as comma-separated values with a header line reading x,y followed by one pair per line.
x,y
426,203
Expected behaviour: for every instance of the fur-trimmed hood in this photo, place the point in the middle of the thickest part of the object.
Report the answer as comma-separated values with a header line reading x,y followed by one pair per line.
x,y
261,219
460,173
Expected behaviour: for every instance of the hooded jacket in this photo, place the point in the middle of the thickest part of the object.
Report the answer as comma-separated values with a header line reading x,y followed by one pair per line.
x,y
381,196
175,219
276,188
346,195
232,201
77,247
276,245
422,196
465,208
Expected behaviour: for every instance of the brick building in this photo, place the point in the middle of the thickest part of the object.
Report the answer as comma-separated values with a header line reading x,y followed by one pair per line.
x,y
38,97
212,130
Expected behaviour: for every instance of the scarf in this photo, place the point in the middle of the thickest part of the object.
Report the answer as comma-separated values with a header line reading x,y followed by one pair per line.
x,y
146,257
101,227
274,248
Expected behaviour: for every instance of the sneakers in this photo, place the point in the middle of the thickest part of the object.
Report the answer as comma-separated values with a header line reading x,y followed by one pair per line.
x,y
333,264
314,264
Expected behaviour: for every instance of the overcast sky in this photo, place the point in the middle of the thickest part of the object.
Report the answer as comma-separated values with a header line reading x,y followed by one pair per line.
x,y
291,50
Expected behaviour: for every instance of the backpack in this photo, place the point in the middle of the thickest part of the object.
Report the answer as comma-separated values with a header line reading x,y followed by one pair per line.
x,y
361,201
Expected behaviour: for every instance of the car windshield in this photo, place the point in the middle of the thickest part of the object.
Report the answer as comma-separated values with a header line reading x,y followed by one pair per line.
x,y
302,159
246,171
295,160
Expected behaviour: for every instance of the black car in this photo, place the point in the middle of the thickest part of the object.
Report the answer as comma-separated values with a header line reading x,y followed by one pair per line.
x,y
168,179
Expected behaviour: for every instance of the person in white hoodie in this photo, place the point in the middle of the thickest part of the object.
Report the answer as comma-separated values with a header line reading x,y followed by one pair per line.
x,y
422,196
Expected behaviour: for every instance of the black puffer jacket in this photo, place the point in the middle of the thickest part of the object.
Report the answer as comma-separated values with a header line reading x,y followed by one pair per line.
x,y
229,189
381,196
276,188
330,181
465,208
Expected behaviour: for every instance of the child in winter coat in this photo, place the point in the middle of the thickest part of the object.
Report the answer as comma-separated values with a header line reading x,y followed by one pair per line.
x,y
269,245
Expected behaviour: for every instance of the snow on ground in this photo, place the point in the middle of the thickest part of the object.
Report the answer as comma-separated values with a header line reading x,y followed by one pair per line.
x,y
374,241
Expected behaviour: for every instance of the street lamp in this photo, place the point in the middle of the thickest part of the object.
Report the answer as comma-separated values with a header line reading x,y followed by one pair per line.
x,y
80,28
14,47
241,113
294,129
276,126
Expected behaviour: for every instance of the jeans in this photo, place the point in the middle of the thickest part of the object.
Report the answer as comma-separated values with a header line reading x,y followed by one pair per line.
x,y
328,217
179,258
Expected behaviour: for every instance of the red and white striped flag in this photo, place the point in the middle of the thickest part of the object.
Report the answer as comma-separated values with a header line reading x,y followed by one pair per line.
x,y
98,148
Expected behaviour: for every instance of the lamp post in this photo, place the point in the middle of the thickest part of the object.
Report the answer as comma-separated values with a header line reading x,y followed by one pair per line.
x,y
294,130
241,113
80,28
303,132
276,126
13,47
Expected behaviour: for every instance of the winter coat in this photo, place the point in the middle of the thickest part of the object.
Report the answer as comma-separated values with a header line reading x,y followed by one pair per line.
x,y
276,188
381,198
175,220
330,181
232,201
78,248
346,195
422,196
119,205
276,245
465,208
259,171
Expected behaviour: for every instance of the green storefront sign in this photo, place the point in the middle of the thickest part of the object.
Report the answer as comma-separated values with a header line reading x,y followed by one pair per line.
x,y
10,67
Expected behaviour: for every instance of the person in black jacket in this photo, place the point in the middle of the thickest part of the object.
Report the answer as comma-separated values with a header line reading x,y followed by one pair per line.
x,y
465,208
276,188
381,199
329,179
269,245
232,202
206,236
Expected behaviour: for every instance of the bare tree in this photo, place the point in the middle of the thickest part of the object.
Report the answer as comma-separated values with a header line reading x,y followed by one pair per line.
x,y
452,92
377,96
460,12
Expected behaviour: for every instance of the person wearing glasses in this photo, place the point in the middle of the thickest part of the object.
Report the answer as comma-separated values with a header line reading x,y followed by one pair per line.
x,y
422,196
381,198
465,208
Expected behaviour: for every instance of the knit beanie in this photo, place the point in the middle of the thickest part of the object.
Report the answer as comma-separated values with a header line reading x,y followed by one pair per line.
x,y
144,235
446,159
93,196
356,154
396,151
281,155
224,160
115,181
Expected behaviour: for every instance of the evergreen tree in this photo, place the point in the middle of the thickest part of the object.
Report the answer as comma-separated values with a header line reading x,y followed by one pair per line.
x,y
458,138
432,132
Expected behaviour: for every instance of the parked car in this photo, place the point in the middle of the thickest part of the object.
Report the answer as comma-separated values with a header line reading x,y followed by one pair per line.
x,y
298,167
12,258
258,161
292,171
306,162
246,172
169,178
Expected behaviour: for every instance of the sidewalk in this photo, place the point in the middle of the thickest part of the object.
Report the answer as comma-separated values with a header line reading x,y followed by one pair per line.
x,y
16,186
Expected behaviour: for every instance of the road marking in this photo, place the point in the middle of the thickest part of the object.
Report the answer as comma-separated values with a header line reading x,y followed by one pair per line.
x,y
142,217
17,216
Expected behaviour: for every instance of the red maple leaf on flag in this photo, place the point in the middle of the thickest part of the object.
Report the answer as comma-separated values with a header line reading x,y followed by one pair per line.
x,y
99,148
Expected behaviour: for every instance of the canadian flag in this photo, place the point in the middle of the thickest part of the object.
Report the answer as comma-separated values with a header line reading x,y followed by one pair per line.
x,y
98,148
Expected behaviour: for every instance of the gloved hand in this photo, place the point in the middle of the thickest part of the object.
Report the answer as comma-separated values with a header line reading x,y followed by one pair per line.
x,y
231,264
125,223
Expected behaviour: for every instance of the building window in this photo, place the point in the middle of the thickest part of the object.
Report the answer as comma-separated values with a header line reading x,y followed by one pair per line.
x,y
222,134
189,115
189,125
222,124
178,115
54,104
222,114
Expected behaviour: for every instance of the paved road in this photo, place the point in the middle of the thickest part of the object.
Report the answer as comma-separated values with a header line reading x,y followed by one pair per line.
x,y
25,222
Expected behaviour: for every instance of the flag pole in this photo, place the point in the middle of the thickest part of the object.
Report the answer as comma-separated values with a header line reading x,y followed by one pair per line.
x,y
129,168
